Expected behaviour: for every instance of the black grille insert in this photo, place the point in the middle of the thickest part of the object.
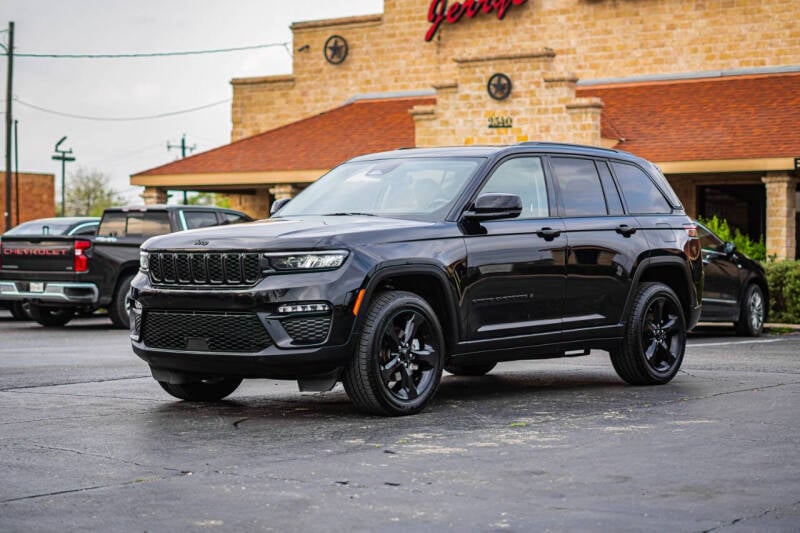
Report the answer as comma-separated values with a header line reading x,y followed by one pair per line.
x,y
307,330
216,268
204,331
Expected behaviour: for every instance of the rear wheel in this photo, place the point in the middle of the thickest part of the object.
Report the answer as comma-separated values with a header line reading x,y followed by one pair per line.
x,y
655,337
118,310
751,313
51,317
210,390
470,370
18,311
398,363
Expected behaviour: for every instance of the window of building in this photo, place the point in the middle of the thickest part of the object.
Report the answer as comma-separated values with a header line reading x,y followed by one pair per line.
x,y
579,187
524,177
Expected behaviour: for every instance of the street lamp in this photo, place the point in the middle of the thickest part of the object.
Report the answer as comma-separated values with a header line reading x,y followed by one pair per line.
x,y
63,156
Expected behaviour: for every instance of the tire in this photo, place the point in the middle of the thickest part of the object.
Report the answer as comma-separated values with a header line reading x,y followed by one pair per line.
x,y
655,338
117,309
18,311
51,317
398,362
751,313
202,391
480,369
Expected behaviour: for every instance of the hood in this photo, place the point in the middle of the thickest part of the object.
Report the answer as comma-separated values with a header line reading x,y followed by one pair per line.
x,y
282,233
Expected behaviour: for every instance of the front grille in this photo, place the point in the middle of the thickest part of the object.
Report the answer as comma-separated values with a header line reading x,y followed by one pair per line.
x,y
194,268
313,330
204,332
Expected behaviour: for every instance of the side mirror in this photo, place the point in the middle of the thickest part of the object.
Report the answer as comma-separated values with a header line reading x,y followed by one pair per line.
x,y
729,248
493,206
277,205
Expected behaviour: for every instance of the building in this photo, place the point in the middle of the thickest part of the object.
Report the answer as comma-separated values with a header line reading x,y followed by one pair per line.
x,y
36,198
709,90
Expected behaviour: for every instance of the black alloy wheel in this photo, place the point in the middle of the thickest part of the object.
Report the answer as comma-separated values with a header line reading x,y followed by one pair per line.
x,y
752,312
398,364
655,338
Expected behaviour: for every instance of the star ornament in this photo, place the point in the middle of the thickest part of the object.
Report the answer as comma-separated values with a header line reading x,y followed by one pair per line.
x,y
335,49
499,86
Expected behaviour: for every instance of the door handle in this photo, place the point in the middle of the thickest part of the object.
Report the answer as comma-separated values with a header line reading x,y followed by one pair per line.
x,y
626,230
548,234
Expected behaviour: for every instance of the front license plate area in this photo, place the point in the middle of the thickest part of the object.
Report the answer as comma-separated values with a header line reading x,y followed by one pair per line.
x,y
37,286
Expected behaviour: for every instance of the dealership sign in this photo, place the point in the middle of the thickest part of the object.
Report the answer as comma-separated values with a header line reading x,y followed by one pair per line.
x,y
440,12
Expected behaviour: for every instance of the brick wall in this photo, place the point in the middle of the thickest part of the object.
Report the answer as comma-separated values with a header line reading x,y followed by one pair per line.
x,y
592,39
37,197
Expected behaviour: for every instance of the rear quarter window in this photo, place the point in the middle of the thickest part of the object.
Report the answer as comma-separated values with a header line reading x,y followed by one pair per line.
x,y
640,193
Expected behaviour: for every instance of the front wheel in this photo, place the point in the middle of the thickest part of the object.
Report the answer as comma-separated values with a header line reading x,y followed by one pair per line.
x,y
202,391
51,317
751,313
398,363
655,337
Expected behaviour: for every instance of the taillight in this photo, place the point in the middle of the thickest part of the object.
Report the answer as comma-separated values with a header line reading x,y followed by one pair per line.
x,y
691,230
81,262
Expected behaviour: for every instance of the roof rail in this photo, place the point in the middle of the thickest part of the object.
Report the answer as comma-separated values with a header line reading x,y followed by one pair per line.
x,y
566,145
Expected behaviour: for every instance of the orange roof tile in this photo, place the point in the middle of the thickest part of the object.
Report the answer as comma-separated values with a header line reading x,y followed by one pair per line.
x,y
318,142
704,119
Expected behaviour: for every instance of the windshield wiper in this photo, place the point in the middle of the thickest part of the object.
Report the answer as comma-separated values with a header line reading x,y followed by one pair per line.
x,y
348,213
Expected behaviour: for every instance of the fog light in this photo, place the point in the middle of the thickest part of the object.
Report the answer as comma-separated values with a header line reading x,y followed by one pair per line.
x,y
304,308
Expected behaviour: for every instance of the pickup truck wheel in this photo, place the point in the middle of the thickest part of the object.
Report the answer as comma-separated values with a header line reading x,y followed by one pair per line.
x,y
470,370
398,363
18,311
51,317
751,314
202,391
655,337
117,310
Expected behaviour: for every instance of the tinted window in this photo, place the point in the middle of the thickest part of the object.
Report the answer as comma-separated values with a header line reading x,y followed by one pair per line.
x,y
579,187
708,240
122,224
199,219
84,229
233,218
524,177
610,189
641,194
49,227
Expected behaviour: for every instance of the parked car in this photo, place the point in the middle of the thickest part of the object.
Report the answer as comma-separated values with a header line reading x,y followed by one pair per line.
x,y
82,226
59,275
735,286
396,266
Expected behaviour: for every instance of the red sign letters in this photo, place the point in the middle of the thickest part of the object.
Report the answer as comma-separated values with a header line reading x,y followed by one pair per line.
x,y
439,12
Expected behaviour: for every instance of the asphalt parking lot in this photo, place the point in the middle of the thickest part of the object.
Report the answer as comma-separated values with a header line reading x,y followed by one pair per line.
x,y
88,441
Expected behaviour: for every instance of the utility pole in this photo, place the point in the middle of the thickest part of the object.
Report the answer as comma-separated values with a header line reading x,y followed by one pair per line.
x,y
9,94
16,170
183,148
63,156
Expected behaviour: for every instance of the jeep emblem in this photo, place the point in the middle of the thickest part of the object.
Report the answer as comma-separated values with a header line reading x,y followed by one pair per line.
x,y
200,243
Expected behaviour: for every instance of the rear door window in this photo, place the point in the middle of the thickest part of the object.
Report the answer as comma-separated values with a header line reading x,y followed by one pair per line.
x,y
199,219
134,224
579,187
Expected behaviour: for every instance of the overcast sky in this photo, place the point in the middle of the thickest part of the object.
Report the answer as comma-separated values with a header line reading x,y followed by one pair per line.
x,y
116,88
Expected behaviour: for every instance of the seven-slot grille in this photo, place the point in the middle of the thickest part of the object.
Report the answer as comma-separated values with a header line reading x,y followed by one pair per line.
x,y
196,268
204,331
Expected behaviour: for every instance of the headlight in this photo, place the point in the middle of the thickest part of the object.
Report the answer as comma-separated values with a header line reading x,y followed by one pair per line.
x,y
144,264
300,261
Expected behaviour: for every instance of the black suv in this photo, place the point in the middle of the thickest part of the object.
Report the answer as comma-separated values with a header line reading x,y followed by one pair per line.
x,y
396,266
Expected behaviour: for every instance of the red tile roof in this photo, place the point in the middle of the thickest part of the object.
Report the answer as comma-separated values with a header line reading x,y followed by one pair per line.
x,y
705,119
319,142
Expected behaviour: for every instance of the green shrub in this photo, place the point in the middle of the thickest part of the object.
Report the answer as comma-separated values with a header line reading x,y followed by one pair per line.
x,y
783,278
750,248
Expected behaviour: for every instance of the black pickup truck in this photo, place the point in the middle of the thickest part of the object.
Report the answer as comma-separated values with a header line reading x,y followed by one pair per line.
x,y
61,275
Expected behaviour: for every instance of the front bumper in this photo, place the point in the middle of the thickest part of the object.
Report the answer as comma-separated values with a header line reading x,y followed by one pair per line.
x,y
242,331
52,292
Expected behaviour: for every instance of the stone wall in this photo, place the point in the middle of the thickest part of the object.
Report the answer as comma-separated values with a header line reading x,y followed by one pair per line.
x,y
37,197
593,39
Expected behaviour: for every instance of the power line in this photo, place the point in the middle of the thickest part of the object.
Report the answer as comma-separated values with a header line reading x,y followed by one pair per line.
x,y
121,119
150,54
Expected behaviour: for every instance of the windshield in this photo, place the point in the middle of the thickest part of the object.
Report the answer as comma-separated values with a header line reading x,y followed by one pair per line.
x,y
417,187
40,227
